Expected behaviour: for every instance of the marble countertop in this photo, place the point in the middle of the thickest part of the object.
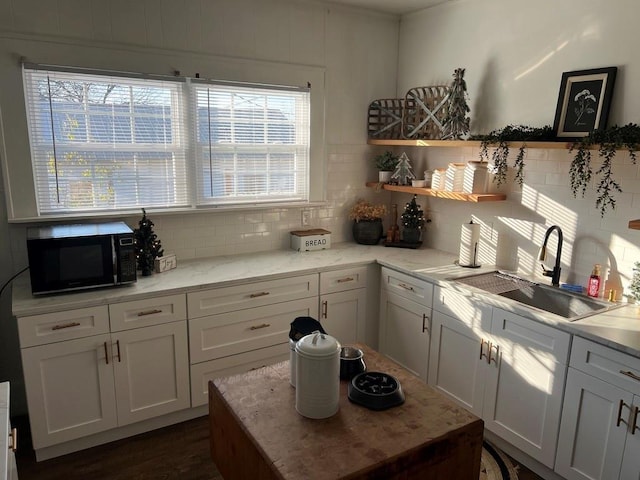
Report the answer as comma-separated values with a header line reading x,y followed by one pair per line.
x,y
618,328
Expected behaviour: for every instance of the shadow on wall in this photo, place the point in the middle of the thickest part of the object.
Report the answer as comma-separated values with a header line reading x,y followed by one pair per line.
x,y
488,101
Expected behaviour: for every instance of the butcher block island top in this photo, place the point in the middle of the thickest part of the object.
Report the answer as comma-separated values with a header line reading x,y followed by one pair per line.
x,y
256,432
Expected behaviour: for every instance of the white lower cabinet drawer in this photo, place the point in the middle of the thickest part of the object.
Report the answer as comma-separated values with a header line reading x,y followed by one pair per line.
x,y
218,336
58,326
147,312
202,373
251,295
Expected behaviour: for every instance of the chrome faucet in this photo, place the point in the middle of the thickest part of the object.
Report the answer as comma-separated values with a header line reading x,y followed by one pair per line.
x,y
555,273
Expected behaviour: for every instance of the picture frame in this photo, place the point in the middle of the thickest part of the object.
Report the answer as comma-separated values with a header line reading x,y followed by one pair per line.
x,y
583,102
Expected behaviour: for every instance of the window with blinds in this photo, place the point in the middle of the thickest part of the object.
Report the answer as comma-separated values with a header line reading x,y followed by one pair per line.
x,y
252,144
113,142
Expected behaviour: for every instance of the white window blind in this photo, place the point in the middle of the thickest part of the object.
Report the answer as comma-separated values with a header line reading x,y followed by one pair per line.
x,y
117,142
252,144
105,142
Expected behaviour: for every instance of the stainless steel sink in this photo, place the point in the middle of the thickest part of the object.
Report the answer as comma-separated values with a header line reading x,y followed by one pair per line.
x,y
554,300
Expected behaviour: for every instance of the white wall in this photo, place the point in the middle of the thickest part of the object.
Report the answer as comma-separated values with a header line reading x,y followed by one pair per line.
x,y
358,51
515,52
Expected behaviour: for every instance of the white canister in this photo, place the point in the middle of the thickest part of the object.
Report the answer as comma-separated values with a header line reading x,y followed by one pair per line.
x,y
475,177
317,375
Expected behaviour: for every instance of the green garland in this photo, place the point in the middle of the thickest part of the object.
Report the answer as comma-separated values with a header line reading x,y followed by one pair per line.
x,y
500,157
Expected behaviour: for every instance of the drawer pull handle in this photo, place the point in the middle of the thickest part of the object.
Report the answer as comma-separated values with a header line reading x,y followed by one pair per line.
x,y
106,353
620,420
256,368
65,325
260,294
634,421
493,359
482,354
424,321
325,307
630,374
406,287
14,439
118,349
149,312
258,327
346,279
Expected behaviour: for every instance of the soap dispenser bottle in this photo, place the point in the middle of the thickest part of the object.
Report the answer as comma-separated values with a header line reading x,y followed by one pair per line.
x,y
593,288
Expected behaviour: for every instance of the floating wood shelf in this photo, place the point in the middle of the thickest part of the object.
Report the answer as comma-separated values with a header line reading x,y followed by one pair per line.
x,y
460,196
465,143
634,224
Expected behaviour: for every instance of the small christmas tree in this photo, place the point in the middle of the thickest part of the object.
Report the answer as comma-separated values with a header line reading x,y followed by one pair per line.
x,y
456,123
412,221
634,286
147,245
403,173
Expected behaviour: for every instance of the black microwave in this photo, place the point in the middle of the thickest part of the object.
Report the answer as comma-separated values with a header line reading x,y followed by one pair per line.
x,y
75,257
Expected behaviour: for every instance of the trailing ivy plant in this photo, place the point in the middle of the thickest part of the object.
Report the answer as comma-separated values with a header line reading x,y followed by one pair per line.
x,y
610,140
501,139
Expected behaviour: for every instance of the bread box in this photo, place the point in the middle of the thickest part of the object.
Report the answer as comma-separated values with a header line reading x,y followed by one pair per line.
x,y
312,239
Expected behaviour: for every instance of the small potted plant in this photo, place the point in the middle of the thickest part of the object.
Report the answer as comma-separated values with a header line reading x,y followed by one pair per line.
x,y
367,222
412,221
386,163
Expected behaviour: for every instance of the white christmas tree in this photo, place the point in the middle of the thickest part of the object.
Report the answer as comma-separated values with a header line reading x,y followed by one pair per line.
x,y
403,173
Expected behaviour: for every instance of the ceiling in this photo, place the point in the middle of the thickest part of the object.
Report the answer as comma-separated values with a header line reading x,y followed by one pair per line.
x,y
398,7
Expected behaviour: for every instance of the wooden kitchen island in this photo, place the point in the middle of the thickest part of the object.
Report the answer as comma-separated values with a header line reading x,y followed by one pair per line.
x,y
256,432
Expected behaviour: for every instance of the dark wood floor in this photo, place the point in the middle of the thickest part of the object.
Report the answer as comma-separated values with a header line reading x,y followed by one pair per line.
x,y
176,452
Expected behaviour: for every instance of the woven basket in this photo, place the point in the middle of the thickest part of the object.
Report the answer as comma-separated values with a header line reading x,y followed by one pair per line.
x,y
425,109
385,118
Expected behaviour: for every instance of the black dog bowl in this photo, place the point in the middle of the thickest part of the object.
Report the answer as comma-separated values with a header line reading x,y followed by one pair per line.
x,y
351,362
376,390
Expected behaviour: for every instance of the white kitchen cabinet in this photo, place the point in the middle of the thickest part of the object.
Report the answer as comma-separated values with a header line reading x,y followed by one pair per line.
x,y
8,439
523,392
234,329
343,297
82,386
70,389
600,430
405,320
151,367
507,369
455,367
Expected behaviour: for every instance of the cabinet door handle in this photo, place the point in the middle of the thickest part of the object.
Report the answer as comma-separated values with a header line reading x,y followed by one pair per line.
x,y
634,421
259,294
106,353
424,323
482,354
118,350
620,420
14,439
346,279
325,307
491,359
65,325
630,374
149,312
258,327
406,287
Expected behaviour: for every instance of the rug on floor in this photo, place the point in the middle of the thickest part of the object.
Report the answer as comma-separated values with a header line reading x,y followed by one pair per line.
x,y
495,465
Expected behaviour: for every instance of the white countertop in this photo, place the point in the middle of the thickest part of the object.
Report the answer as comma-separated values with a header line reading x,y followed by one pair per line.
x,y
619,328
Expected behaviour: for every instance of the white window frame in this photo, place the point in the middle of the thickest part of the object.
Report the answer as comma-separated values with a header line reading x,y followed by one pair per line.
x,y
259,188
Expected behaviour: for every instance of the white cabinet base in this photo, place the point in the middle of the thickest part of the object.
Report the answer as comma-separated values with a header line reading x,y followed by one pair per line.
x,y
120,433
